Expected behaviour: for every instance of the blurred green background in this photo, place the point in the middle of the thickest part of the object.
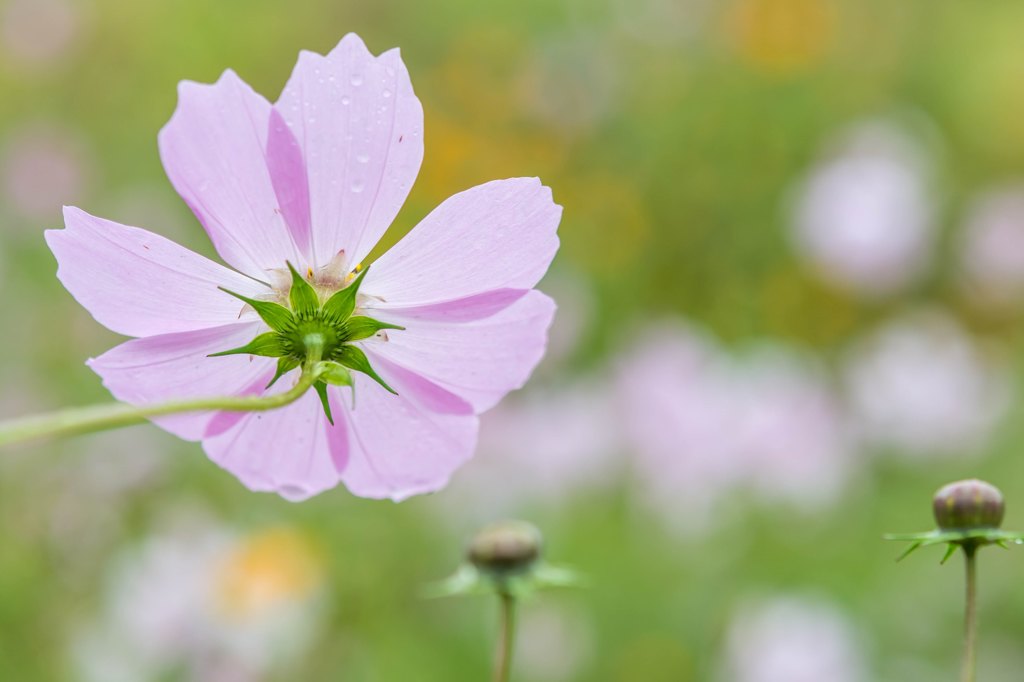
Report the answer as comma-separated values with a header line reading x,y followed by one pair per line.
x,y
790,284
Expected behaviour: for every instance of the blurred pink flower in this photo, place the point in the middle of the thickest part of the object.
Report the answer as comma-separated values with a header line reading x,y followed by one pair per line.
x,y
540,447
793,640
315,180
39,32
703,424
864,217
992,248
922,386
40,166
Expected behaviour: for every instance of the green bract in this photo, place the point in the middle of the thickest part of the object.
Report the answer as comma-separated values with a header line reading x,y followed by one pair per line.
x,y
968,514
315,332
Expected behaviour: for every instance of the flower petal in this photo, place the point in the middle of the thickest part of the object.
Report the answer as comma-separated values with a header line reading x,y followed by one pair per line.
x,y
360,128
215,152
138,283
479,361
498,235
291,451
175,366
398,447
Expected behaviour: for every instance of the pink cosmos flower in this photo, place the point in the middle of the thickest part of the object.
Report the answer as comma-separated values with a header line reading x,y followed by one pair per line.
x,y
449,317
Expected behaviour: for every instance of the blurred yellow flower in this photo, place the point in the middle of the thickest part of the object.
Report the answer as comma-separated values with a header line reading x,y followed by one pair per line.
x,y
266,570
781,36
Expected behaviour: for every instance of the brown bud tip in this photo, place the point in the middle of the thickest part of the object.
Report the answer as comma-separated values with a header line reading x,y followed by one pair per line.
x,y
505,546
970,504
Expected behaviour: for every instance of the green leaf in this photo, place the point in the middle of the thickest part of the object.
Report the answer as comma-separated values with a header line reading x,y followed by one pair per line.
x,y
335,374
353,358
340,306
277,316
267,345
284,365
303,297
359,328
465,580
321,390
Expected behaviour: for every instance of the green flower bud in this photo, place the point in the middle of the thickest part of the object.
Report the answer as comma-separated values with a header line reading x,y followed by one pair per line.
x,y
505,547
968,505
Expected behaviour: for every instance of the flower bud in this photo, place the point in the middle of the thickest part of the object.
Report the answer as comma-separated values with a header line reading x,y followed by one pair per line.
x,y
505,547
968,505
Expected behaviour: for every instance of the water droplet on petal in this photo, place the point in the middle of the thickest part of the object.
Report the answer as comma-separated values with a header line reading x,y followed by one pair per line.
x,y
386,94
357,187
362,158
357,79
346,100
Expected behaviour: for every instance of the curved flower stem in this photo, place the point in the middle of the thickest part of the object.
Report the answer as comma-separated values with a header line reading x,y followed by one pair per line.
x,y
115,415
970,617
506,639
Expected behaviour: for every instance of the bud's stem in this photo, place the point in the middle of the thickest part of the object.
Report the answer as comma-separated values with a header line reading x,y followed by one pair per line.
x,y
506,639
115,415
970,616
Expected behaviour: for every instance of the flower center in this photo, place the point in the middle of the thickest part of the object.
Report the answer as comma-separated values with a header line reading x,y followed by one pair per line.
x,y
316,334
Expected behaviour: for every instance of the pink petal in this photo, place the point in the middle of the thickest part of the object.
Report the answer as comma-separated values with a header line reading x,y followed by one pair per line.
x,y
175,366
475,307
137,283
291,451
398,447
479,361
214,150
500,235
288,176
360,128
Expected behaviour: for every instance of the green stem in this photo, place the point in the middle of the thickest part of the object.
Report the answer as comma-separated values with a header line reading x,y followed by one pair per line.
x,y
970,617
79,420
506,639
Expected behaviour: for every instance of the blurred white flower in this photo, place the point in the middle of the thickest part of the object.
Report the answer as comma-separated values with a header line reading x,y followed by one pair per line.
x,y
992,248
572,323
662,23
206,602
704,424
922,386
39,32
793,640
540,447
863,218
42,167
571,82
554,642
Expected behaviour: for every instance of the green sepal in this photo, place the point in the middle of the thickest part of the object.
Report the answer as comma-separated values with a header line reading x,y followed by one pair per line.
x,y
949,552
353,358
976,537
303,297
284,365
340,306
359,328
335,374
266,345
468,580
321,390
279,318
